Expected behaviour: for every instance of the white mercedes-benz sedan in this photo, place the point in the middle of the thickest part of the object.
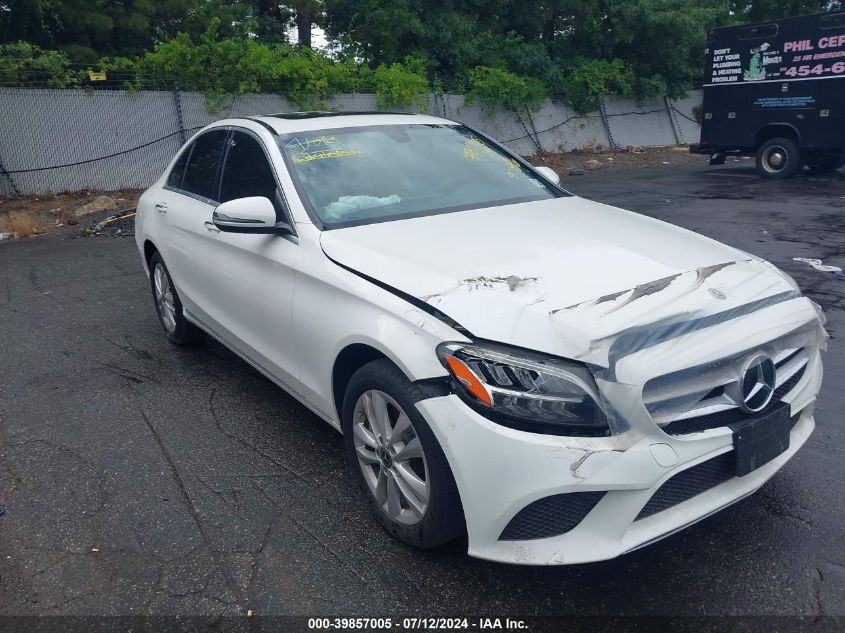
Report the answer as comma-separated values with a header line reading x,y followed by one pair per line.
x,y
560,380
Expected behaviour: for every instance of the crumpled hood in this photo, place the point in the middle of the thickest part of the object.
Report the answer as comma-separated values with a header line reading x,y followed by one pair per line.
x,y
554,275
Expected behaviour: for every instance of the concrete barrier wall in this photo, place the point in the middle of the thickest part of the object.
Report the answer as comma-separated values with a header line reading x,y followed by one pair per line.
x,y
68,140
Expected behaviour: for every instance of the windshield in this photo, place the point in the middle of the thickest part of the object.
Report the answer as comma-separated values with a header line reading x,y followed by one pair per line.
x,y
370,174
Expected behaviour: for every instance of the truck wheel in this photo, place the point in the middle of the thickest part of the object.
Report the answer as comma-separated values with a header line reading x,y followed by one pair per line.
x,y
778,158
825,164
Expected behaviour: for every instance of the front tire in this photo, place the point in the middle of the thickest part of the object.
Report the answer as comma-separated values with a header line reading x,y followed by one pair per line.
x,y
396,459
169,306
779,158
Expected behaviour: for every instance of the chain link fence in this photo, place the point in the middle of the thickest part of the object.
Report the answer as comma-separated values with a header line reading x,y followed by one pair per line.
x,y
54,140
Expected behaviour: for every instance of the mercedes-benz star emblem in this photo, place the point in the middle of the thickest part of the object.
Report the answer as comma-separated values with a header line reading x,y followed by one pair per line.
x,y
757,384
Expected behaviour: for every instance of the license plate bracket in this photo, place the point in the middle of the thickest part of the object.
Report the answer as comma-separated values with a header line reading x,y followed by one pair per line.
x,y
759,440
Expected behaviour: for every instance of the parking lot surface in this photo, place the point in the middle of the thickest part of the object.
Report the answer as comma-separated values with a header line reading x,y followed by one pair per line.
x,y
142,478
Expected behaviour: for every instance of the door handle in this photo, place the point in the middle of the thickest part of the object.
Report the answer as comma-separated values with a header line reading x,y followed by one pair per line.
x,y
209,226
161,207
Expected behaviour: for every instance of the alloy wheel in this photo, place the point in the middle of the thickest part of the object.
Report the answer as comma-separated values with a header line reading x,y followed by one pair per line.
x,y
164,298
391,457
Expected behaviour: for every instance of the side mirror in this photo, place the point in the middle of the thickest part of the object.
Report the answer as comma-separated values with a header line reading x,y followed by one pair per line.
x,y
255,214
549,173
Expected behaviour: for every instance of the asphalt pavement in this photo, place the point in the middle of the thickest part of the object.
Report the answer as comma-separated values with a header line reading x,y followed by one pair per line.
x,y
142,478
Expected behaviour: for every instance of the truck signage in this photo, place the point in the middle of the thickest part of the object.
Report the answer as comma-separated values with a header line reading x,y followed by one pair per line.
x,y
776,51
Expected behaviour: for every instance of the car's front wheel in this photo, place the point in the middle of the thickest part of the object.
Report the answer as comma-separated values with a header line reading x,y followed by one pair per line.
x,y
396,459
168,306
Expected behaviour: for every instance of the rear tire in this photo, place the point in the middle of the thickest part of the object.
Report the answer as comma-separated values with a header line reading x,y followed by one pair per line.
x,y
415,499
169,306
779,158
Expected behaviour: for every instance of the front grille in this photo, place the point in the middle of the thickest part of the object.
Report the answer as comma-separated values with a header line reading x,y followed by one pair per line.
x,y
550,516
730,416
710,388
689,483
693,481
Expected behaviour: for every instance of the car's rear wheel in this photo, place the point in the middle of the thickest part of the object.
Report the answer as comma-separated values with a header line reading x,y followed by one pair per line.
x,y
397,461
168,306
778,158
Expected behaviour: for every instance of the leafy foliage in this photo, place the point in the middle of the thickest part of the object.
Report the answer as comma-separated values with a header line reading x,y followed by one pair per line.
x,y
226,66
587,80
29,65
402,85
498,51
496,87
642,48
232,66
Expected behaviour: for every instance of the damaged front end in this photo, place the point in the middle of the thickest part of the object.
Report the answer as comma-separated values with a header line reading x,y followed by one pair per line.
x,y
612,383
679,347
705,382
661,351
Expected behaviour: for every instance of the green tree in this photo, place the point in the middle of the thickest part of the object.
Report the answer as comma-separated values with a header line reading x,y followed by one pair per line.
x,y
662,41
497,87
402,84
760,10
86,29
586,81
306,14
89,29
25,64
505,51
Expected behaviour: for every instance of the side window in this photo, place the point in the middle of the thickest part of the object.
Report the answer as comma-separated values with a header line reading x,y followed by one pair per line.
x,y
175,178
246,171
202,165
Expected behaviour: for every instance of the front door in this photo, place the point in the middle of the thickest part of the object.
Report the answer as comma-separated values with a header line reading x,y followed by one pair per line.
x,y
253,275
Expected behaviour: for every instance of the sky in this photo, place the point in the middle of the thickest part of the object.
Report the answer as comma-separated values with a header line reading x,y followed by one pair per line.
x,y
318,38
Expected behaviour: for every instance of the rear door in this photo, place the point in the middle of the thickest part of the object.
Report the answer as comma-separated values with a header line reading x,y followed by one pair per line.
x,y
187,202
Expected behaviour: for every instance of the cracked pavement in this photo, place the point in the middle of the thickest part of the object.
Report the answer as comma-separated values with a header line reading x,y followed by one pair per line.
x,y
141,478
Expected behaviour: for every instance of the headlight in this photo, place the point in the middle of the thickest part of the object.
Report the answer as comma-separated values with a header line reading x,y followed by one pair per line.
x,y
525,389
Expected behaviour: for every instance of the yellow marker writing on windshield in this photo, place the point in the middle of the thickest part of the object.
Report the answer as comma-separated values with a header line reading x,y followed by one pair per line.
x,y
327,153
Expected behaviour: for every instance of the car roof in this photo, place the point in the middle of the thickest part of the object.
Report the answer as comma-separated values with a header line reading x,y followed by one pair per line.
x,y
291,122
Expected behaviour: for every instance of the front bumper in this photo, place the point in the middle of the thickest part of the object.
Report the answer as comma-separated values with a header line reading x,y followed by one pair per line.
x,y
499,471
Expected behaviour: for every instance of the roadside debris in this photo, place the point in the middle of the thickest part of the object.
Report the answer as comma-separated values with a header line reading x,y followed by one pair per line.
x,y
102,203
820,266
5,236
592,164
120,224
623,158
